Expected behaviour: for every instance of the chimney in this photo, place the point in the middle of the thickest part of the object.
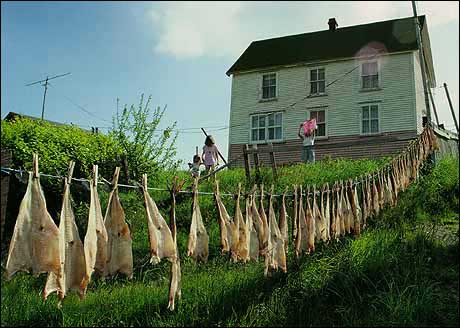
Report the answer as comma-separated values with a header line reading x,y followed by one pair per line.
x,y
332,24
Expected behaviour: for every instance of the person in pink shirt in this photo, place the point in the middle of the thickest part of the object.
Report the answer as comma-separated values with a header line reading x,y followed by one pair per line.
x,y
210,154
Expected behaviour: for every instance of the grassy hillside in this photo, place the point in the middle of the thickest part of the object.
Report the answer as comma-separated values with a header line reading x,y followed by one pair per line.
x,y
403,270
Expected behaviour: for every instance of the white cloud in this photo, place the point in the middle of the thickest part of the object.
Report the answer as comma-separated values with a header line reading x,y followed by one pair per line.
x,y
225,29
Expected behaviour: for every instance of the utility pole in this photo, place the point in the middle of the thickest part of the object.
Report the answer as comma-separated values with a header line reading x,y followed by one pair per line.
x,y
451,108
46,88
434,108
422,62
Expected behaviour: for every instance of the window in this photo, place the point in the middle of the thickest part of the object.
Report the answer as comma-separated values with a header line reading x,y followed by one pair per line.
x,y
370,119
317,81
266,127
320,116
370,75
269,86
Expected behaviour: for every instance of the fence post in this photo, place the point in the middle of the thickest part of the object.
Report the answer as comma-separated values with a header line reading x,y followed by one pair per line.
x,y
272,159
256,162
246,162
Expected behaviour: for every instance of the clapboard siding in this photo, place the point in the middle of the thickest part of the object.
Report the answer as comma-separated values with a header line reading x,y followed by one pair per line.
x,y
396,98
354,147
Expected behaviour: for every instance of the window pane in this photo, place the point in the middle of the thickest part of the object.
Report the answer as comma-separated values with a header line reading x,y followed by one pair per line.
x,y
271,119
367,82
278,118
313,75
321,74
374,112
374,126
254,122
271,133
365,113
261,134
254,135
365,126
321,132
365,69
322,86
265,93
261,121
374,81
320,117
278,133
314,115
314,87
265,82
373,68
272,93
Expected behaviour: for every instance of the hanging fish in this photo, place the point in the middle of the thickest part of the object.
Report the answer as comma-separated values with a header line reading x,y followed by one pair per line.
x,y
224,221
339,224
235,228
253,238
276,255
244,230
34,246
264,219
296,215
310,220
198,239
71,251
283,221
119,244
356,209
341,210
347,214
325,212
301,242
160,236
334,212
258,224
175,274
375,199
320,227
95,244
365,211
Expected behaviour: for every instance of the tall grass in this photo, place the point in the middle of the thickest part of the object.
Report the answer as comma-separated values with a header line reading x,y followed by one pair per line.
x,y
397,273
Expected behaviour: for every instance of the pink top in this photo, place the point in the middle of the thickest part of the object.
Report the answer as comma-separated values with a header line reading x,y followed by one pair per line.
x,y
309,126
209,154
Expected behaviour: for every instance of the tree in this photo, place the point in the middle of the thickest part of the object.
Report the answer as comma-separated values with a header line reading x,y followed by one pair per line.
x,y
147,148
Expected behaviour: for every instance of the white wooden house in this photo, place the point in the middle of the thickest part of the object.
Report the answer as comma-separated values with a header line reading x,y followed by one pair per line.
x,y
362,83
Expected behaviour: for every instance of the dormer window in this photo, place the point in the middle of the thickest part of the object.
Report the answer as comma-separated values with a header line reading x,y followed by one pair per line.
x,y
269,86
317,81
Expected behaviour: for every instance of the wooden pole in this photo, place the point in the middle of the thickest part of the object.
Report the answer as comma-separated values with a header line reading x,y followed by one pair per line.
x,y
451,108
246,162
273,161
434,107
256,162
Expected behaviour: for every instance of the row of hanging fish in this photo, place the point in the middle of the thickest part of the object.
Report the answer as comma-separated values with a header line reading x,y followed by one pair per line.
x,y
329,213
38,245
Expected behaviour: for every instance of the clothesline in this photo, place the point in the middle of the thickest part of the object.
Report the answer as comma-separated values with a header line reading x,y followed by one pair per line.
x,y
8,170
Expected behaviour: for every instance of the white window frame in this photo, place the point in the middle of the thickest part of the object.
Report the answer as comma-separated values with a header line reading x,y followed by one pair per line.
x,y
379,109
316,109
310,81
266,140
379,79
261,82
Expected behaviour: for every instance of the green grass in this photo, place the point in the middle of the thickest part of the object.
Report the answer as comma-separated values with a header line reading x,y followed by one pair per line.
x,y
400,272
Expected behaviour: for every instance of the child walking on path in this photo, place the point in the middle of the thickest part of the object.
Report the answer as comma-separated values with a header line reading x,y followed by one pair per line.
x,y
210,154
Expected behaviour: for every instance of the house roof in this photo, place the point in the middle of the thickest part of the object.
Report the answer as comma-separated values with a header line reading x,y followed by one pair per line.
x,y
346,42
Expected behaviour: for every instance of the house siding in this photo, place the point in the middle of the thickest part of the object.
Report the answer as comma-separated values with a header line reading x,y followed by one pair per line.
x,y
396,99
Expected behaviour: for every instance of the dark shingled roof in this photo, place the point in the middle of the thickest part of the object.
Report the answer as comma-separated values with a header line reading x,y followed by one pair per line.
x,y
381,37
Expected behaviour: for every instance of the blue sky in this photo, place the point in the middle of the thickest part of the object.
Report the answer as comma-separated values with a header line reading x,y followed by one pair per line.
x,y
176,52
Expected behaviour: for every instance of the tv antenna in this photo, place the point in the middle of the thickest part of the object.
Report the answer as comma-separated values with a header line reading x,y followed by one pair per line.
x,y
46,87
